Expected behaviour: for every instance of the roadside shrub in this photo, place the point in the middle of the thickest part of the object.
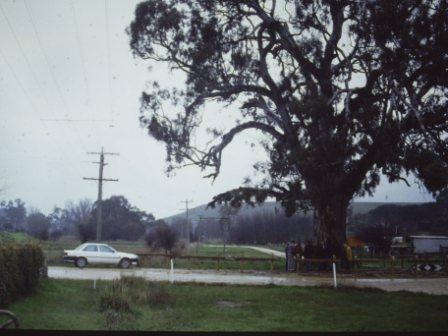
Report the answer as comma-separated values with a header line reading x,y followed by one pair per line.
x,y
115,297
6,237
147,293
118,295
20,268
180,248
161,236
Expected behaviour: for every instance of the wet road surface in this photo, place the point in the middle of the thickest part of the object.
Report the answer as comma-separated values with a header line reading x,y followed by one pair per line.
x,y
437,286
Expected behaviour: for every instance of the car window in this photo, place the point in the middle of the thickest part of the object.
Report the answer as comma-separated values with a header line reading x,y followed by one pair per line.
x,y
80,247
104,248
91,248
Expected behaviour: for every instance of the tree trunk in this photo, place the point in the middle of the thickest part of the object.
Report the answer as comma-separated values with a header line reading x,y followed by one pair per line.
x,y
330,223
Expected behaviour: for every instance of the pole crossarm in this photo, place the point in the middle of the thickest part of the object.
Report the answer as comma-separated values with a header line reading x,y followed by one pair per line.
x,y
104,153
212,218
97,179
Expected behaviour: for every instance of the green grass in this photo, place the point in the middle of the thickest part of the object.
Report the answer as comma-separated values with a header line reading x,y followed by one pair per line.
x,y
18,237
69,304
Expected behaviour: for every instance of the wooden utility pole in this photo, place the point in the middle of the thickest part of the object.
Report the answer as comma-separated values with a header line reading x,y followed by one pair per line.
x,y
186,227
100,179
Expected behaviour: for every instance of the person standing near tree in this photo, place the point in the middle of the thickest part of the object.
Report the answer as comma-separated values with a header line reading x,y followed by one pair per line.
x,y
290,259
348,254
308,252
287,251
297,254
320,254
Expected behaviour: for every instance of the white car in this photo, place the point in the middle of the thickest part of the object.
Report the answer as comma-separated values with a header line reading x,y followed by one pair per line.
x,y
96,253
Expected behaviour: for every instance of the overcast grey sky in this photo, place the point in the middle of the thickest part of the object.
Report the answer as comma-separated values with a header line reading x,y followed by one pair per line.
x,y
71,59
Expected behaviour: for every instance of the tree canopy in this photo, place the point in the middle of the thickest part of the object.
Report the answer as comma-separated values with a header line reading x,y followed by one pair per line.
x,y
344,91
121,220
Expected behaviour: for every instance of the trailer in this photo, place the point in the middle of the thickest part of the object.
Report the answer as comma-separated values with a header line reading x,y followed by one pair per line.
x,y
429,244
419,244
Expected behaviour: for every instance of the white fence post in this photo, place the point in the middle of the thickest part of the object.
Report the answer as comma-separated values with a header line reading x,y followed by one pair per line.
x,y
335,284
172,271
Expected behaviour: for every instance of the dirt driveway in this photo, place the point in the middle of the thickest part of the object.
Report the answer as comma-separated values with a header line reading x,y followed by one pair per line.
x,y
438,286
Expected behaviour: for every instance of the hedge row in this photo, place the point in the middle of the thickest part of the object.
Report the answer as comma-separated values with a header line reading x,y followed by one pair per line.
x,y
20,267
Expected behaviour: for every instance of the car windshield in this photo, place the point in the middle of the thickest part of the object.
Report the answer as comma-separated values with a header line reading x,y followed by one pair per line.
x,y
80,247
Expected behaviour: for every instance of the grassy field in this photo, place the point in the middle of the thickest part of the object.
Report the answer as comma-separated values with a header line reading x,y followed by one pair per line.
x,y
54,250
69,304
232,251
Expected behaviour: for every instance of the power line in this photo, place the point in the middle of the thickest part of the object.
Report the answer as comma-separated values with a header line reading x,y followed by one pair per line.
x,y
25,93
106,9
79,120
81,55
47,61
23,54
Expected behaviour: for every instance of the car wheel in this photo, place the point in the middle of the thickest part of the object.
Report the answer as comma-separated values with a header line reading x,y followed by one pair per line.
x,y
125,263
81,262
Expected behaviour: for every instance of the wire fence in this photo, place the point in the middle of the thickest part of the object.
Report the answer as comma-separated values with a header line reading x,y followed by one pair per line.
x,y
412,264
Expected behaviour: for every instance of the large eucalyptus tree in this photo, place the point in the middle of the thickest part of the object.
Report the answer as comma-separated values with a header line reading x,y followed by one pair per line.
x,y
344,91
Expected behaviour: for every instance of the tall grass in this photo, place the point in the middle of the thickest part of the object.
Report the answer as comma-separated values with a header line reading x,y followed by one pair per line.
x,y
121,299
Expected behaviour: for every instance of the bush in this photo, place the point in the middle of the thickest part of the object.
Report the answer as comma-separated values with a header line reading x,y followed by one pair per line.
x,y
115,297
118,295
38,225
20,267
161,236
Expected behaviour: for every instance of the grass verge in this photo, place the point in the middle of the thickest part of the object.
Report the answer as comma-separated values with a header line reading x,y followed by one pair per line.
x,y
70,304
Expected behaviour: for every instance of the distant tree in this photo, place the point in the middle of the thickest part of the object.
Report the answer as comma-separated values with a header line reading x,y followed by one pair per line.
x,y
14,215
208,229
86,231
180,225
120,219
427,218
75,218
38,225
162,236
227,214
59,223
262,228
343,91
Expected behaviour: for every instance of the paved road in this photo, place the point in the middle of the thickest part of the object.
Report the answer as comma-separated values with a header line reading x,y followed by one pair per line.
x,y
438,286
266,250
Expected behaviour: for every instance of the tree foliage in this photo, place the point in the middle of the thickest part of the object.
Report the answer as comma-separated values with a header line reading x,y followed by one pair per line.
x,y
401,220
12,215
38,225
121,220
343,91
161,236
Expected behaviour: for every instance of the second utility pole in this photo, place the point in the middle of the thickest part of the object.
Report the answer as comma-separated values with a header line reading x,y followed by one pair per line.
x,y
186,226
100,179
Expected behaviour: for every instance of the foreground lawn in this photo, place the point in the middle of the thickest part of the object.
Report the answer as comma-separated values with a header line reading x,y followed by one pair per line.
x,y
69,304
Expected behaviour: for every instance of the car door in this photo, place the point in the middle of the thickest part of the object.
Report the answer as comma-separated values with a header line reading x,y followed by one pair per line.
x,y
107,255
90,252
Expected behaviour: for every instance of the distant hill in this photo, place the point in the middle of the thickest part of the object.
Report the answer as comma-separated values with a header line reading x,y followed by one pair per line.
x,y
267,207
